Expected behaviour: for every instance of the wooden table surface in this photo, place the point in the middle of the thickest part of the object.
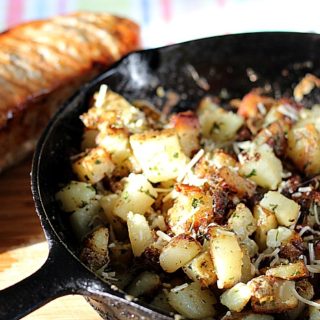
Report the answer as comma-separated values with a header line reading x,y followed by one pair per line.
x,y
23,248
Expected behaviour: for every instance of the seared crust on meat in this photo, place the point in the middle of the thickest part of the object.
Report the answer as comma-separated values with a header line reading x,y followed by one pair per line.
x,y
44,62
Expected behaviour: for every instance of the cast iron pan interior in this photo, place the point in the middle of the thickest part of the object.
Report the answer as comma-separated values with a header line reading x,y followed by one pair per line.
x,y
235,62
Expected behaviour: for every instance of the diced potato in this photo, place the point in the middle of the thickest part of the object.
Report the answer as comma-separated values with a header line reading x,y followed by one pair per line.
x,y
236,298
89,139
81,218
247,270
305,86
93,166
137,196
178,252
193,302
217,123
75,195
140,233
248,107
276,237
242,222
314,313
201,269
272,295
286,210
145,283
251,246
159,154
118,227
275,136
114,111
116,142
187,127
222,159
95,248
261,166
266,220
227,257
304,147
234,182
291,271
192,209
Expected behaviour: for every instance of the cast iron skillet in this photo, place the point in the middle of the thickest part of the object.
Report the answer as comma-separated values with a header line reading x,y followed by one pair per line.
x,y
236,62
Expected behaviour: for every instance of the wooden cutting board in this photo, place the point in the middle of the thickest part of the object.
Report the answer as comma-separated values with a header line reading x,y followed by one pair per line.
x,y
23,248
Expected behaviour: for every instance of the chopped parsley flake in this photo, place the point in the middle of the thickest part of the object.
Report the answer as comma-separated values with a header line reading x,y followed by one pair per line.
x,y
252,173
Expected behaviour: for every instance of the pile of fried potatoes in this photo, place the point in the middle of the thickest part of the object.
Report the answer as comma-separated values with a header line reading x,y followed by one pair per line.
x,y
216,210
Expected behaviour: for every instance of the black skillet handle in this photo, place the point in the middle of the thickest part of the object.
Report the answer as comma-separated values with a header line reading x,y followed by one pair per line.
x,y
54,279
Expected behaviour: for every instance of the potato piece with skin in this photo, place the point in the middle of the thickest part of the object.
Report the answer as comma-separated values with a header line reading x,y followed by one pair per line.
x,y
266,220
304,147
192,209
75,195
227,257
178,252
95,252
217,123
236,298
291,271
159,154
260,165
145,283
285,210
272,295
233,181
193,302
201,269
116,142
242,222
138,196
187,127
140,234
93,166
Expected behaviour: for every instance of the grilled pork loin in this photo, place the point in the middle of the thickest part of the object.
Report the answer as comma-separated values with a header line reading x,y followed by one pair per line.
x,y
43,62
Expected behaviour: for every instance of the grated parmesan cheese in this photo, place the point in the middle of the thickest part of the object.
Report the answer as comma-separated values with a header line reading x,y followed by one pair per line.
x,y
261,108
163,236
101,95
179,288
288,111
311,252
264,255
192,163
305,189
